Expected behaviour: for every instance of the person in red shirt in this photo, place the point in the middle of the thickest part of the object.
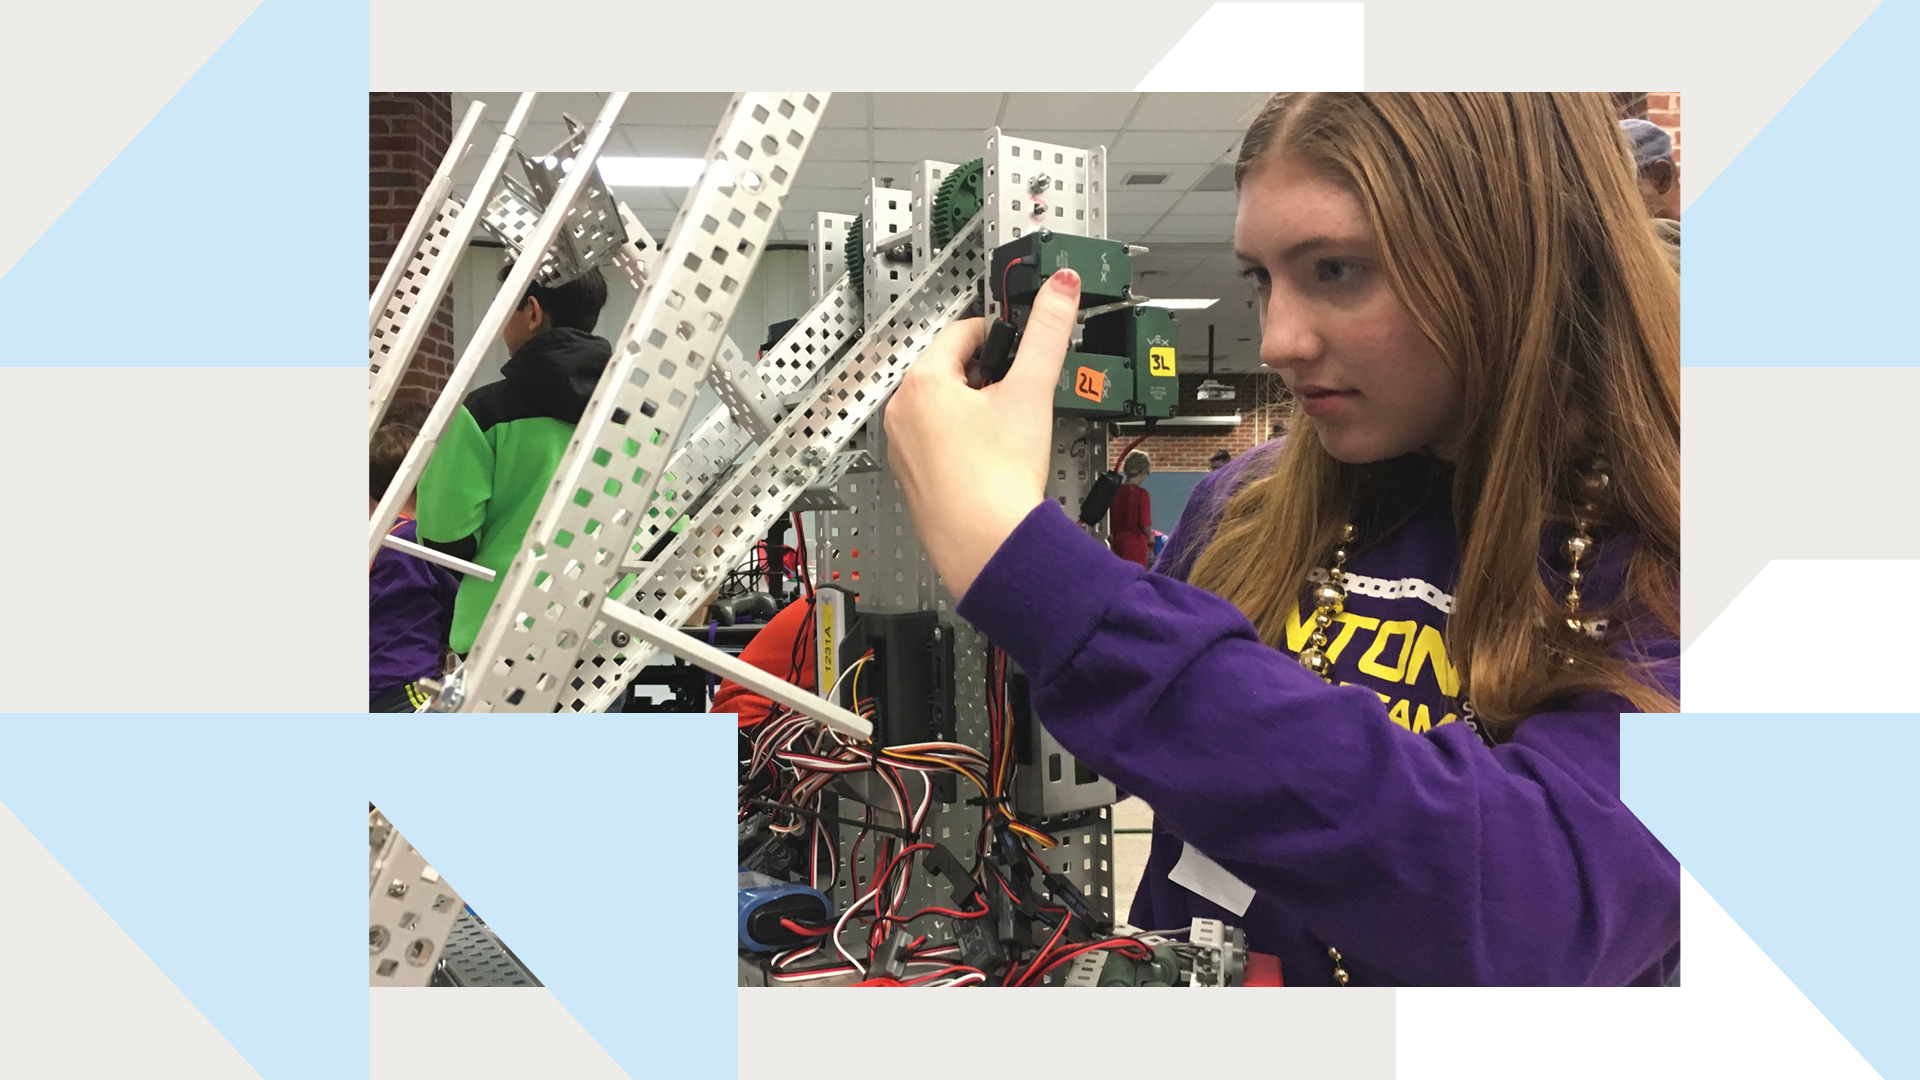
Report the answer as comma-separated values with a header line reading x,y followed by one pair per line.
x,y
1130,518
784,647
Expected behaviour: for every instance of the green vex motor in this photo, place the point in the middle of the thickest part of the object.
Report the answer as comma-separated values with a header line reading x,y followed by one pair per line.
x,y
1094,384
1104,267
1148,337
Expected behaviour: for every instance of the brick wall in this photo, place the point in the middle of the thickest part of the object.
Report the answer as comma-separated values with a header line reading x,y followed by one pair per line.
x,y
1261,401
407,137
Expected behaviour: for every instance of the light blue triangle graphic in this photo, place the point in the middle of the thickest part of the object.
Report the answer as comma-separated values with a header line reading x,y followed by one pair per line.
x,y
601,849
227,849
1802,828
1801,253
227,233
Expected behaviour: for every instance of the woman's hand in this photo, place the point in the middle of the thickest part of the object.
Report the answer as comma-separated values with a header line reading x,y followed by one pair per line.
x,y
974,463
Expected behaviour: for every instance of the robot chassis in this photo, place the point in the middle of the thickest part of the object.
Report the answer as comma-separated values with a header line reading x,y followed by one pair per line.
x,y
651,507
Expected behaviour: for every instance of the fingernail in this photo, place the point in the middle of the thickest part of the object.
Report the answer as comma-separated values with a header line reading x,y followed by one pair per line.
x,y
1065,278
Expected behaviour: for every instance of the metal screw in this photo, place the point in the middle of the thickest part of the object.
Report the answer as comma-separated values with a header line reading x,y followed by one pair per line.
x,y
398,889
813,456
699,573
1039,183
451,693
621,638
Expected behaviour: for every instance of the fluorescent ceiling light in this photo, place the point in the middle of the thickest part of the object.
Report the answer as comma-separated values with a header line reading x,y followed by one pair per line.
x,y
651,171
1171,305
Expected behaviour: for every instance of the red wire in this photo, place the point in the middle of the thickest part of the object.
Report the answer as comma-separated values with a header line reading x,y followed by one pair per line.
x,y
800,533
808,931
1042,954
1081,950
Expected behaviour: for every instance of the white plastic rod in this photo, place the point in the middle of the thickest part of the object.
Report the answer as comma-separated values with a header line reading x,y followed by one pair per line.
x,y
438,558
702,655
504,303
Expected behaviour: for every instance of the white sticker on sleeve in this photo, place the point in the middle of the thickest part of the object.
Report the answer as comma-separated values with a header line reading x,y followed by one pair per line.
x,y
1198,874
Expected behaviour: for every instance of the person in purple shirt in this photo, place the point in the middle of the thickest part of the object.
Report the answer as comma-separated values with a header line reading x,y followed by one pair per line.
x,y
1372,688
410,607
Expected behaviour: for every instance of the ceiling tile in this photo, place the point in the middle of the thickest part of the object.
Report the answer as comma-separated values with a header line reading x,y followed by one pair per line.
x,y
1130,226
1172,259
1209,202
1143,200
677,110
847,175
1181,175
1067,111
1193,228
953,144
976,111
838,145
847,111
647,198
1196,146
1196,112
654,141
812,201
1085,138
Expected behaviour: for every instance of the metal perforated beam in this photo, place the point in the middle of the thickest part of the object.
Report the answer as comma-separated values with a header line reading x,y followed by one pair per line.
x,y
798,452
398,325
549,601
819,335
484,335
436,192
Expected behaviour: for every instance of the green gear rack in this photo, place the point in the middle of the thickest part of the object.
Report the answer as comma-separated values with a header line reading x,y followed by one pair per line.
x,y
856,254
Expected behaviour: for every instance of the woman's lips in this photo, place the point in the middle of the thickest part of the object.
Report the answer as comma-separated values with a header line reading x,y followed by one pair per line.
x,y
1319,401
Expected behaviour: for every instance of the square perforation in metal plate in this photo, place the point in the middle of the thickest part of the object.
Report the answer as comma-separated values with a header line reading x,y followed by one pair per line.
x,y
886,240
511,215
529,644
411,909
821,333
926,183
767,481
1074,179
594,230
404,301
826,252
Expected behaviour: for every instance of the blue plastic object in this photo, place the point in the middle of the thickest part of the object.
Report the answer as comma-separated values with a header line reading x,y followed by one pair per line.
x,y
764,901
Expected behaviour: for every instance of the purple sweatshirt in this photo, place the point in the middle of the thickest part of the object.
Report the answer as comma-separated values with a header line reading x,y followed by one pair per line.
x,y
1363,815
409,609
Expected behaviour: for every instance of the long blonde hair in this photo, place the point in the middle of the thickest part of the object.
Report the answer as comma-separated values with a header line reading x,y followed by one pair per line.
x,y
1510,228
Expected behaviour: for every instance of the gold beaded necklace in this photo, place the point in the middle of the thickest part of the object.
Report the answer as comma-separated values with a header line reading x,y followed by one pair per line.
x,y
1330,599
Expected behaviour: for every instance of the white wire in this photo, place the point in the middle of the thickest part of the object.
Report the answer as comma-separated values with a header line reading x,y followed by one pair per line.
x,y
841,924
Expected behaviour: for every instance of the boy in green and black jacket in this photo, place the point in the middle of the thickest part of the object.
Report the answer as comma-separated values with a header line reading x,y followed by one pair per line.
x,y
501,448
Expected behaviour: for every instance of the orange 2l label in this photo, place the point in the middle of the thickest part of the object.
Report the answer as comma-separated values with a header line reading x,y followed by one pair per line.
x,y
1090,384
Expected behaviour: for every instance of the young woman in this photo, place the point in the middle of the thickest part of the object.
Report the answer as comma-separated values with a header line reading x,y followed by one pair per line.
x,y
1373,688
1130,518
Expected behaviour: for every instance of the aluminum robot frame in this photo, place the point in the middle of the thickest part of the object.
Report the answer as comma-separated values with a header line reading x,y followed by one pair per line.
x,y
651,506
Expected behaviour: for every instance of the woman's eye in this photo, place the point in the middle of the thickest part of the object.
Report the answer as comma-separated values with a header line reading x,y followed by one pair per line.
x,y
1258,274
1336,271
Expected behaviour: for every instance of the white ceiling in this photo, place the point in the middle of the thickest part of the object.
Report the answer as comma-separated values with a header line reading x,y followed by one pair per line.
x,y
869,135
